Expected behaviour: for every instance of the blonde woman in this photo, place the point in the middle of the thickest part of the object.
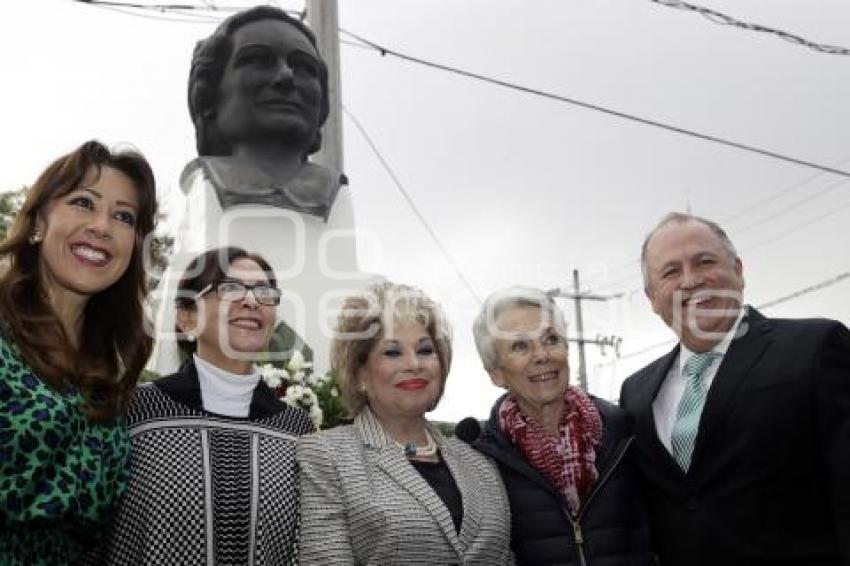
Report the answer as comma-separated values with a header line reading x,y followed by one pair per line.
x,y
390,489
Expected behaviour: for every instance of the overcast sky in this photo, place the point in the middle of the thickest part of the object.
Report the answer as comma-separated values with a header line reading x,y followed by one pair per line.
x,y
518,188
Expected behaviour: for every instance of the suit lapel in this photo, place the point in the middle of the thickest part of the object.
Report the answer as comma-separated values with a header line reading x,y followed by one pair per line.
x,y
467,485
751,340
390,458
183,386
645,418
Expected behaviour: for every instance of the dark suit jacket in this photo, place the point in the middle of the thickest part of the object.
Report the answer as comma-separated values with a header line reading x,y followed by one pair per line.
x,y
769,482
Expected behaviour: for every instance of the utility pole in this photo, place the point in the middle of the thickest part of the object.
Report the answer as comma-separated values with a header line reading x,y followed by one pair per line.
x,y
323,16
578,296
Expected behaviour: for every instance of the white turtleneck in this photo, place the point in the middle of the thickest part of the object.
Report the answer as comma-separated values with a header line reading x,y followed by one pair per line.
x,y
225,393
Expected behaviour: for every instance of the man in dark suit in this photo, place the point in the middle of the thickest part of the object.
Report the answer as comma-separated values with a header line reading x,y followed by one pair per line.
x,y
743,430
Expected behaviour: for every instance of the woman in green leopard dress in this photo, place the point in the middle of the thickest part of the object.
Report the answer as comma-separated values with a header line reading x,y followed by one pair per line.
x,y
72,345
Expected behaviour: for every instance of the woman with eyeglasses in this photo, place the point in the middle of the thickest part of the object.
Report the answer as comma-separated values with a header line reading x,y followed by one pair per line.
x,y
213,474
564,455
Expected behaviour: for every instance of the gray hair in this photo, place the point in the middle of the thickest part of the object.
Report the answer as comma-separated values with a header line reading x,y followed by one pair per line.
x,y
682,218
484,328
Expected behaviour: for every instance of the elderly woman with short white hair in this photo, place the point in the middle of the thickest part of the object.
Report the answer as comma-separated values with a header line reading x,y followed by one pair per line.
x,y
563,455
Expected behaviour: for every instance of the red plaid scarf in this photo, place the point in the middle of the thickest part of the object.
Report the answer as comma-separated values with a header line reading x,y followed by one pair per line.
x,y
569,459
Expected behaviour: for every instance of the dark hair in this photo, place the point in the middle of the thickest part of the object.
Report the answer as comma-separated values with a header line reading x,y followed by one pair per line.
x,y
208,268
113,345
208,64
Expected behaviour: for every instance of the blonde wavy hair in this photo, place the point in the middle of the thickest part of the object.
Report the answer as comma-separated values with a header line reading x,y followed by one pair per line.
x,y
363,322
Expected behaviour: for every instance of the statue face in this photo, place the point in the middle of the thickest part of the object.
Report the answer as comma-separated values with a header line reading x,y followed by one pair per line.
x,y
270,90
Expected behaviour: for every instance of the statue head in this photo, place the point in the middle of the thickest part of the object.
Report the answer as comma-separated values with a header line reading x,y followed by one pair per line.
x,y
242,90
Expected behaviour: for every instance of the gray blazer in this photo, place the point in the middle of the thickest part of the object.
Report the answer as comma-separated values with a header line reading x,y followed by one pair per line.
x,y
362,502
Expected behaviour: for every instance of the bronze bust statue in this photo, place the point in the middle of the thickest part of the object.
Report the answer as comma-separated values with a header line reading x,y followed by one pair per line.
x,y
258,96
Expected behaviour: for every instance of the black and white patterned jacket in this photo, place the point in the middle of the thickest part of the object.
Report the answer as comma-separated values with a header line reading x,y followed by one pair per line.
x,y
207,489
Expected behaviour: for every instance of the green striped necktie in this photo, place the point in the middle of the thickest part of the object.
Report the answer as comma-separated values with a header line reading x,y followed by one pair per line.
x,y
683,435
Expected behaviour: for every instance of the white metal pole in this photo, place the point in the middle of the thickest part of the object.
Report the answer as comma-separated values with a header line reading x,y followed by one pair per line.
x,y
323,17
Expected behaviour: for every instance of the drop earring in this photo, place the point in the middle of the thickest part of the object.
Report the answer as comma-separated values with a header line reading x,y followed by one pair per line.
x,y
35,237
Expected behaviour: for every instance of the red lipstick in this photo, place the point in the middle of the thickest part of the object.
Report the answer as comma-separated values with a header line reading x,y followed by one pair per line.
x,y
412,384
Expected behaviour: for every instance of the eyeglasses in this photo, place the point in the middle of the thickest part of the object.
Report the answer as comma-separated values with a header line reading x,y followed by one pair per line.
x,y
234,291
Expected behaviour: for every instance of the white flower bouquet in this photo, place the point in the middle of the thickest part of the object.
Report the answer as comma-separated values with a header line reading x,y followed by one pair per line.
x,y
295,383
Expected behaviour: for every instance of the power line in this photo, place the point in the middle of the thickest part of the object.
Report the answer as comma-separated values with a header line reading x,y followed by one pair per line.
x,y
209,6
199,18
412,204
772,197
157,7
353,44
793,206
743,212
764,306
798,227
805,291
647,349
536,92
767,241
755,206
129,12
723,19
384,51
528,90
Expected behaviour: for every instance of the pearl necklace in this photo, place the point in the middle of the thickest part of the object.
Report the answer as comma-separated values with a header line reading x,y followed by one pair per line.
x,y
413,451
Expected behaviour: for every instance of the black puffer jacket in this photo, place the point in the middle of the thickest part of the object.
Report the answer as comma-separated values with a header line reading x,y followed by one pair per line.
x,y
612,529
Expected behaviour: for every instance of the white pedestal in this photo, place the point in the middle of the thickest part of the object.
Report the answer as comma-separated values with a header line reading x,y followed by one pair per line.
x,y
315,263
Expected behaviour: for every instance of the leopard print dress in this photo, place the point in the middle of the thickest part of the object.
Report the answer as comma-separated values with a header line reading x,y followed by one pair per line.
x,y
60,475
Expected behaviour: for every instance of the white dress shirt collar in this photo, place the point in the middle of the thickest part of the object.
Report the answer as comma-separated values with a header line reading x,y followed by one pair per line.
x,y
666,403
720,348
